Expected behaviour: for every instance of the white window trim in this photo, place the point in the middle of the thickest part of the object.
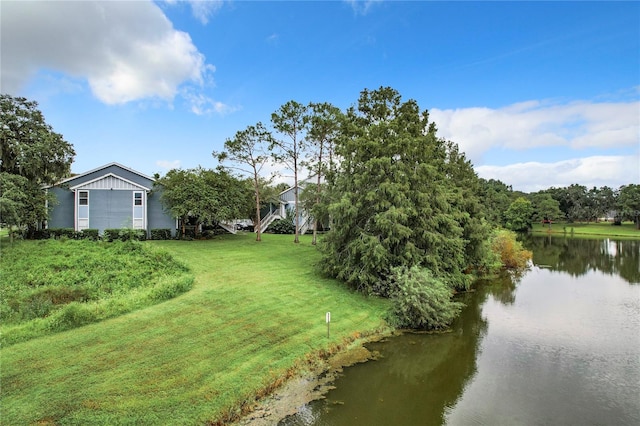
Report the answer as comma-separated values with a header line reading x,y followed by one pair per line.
x,y
77,208
144,208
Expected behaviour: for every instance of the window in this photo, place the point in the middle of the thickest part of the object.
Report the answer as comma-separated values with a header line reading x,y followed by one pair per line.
x,y
83,211
138,210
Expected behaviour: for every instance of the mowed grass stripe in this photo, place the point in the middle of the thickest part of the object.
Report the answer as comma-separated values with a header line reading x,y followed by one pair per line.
x,y
255,310
600,229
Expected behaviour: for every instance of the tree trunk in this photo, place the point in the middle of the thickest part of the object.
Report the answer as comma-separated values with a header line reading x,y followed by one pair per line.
x,y
258,220
315,220
295,197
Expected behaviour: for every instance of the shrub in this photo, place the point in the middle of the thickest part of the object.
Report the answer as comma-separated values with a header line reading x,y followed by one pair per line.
x,y
420,300
161,234
510,250
89,234
110,235
211,233
124,234
41,234
282,226
57,233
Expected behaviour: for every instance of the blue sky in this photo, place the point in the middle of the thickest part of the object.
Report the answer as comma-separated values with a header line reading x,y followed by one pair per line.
x,y
537,94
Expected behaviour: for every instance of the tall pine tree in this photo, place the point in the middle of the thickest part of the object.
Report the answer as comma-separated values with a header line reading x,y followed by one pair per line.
x,y
402,198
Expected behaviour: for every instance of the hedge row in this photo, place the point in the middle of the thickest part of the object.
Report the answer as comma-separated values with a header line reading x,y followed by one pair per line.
x,y
122,234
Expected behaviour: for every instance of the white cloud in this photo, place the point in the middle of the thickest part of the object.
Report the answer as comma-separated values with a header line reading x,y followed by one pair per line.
x,y
168,165
536,124
126,51
201,104
202,10
362,7
598,171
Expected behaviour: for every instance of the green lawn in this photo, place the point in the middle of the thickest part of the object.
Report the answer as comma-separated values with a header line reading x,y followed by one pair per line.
x,y
256,312
54,285
601,229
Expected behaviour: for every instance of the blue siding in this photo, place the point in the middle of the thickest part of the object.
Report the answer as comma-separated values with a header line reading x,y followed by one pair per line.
x,y
108,208
289,195
61,211
156,214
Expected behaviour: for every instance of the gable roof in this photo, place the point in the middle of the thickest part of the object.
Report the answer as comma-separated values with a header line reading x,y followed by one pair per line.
x,y
129,175
109,181
106,166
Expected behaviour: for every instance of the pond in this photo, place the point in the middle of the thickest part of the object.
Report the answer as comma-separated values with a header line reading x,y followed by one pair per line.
x,y
558,345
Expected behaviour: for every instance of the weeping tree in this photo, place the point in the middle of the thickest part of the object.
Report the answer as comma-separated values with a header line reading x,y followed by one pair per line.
x,y
400,199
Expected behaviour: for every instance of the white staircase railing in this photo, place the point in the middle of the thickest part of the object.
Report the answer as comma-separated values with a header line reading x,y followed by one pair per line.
x,y
267,220
306,223
231,227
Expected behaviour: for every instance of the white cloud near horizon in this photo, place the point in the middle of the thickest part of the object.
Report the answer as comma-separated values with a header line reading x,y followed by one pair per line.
x,y
535,124
575,127
126,51
596,171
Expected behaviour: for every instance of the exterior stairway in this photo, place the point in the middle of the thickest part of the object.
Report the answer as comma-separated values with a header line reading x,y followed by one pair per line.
x,y
230,227
267,220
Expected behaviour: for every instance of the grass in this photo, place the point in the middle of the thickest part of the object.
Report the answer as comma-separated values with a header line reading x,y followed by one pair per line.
x,y
256,312
600,229
54,285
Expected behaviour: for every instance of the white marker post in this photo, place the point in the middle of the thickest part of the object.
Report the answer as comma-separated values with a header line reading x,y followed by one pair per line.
x,y
328,317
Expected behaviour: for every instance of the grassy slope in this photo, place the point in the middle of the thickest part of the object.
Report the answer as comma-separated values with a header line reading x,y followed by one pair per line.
x,y
602,229
256,309
105,279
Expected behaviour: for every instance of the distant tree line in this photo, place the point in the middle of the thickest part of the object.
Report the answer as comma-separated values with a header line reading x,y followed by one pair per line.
x,y
575,203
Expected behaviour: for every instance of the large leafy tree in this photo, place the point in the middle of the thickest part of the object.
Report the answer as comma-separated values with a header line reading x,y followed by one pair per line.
x,y
291,121
496,198
247,151
22,202
397,200
573,202
519,215
545,208
605,201
206,196
629,203
31,155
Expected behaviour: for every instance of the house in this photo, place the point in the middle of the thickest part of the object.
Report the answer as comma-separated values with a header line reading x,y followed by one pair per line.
x,y
286,208
111,196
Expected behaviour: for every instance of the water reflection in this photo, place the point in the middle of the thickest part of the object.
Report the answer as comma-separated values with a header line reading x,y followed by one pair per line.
x,y
416,378
579,256
558,345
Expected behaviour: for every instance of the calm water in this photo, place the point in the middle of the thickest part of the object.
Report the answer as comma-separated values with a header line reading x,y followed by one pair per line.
x,y
559,345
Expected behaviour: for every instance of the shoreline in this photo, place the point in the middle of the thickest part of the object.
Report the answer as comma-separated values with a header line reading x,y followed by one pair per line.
x,y
311,383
